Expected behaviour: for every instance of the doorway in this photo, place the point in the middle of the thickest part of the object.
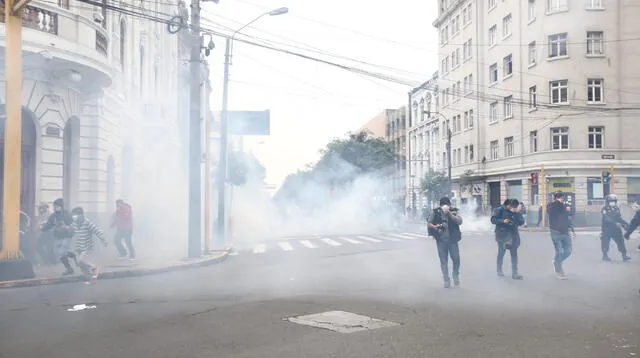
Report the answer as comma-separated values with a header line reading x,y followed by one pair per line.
x,y
494,194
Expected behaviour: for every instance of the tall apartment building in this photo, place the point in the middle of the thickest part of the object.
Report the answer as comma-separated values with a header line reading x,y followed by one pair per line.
x,y
426,150
533,83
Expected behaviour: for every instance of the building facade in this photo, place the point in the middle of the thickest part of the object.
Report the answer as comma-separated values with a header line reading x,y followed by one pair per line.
x,y
426,149
396,133
103,105
541,84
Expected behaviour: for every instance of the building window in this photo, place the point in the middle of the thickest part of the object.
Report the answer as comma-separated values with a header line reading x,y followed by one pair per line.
x,y
470,84
457,24
559,92
493,112
471,156
455,58
466,50
595,43
459,119
508,107
493,33
533,53
556,5
492,4
533,97
595,90
508,147
470,12
506,26
596,137
596,191
466,119
471,118
558,45
594,4
142,71
493,73
560,138
533,141
532,10
493,149
459,156
507,64
459,90
466,154
466,84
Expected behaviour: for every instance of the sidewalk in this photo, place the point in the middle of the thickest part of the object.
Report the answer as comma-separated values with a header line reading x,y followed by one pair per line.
x,y
111,267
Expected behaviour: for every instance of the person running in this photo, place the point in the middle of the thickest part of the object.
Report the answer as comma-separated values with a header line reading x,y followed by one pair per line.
x,y
444,226
60,221
560,227
507,219
123,222
612,226
84,232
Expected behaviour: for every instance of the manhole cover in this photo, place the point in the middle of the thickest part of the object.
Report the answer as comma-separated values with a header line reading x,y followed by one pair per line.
x,y
342,322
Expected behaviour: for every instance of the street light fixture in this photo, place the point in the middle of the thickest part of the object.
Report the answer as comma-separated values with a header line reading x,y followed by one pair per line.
x,y
224,127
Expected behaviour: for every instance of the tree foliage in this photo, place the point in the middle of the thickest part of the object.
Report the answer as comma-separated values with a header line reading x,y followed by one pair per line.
x,y
435,184
340,163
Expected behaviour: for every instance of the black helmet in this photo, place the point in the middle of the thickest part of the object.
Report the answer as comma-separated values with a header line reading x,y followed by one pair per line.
x,y
611,198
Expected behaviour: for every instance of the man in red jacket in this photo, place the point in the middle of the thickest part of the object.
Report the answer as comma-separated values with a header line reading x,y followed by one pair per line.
x,y
123,222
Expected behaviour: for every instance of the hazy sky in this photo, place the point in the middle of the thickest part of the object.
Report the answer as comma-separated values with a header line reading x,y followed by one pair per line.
x,y
311,103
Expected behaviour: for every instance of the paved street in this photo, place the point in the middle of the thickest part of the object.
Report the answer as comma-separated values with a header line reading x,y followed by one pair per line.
x,y
238,308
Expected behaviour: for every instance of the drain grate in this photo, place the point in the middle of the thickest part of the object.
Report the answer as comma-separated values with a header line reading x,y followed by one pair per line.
x,y
342,322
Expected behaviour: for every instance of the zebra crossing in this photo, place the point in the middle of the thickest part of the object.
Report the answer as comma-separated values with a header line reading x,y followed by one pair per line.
x,y
319,242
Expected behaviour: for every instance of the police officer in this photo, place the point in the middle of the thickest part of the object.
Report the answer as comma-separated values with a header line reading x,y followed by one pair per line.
x,y
444,226
612,225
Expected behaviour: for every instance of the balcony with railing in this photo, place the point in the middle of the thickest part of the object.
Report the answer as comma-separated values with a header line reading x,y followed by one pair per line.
x,y
72,40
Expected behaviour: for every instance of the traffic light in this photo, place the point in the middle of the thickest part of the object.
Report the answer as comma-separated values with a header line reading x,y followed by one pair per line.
x,y
606,176
534,178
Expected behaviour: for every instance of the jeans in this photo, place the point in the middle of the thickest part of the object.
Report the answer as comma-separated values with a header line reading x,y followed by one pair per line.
x,y
448,249
126,235
617,238
514,258
562,244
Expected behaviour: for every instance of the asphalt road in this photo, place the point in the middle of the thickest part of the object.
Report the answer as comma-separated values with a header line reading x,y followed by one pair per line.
x,y
237,309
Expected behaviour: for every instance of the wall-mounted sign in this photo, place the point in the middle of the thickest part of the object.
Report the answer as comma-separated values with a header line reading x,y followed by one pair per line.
x,y
249,122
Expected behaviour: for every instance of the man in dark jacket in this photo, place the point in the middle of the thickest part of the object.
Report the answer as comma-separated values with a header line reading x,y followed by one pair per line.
x,y
559,228
612,225
633,224
444,226
60,221
507,219
123,222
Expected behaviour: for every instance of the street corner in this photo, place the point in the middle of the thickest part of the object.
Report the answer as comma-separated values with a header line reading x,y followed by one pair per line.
x,y
213,258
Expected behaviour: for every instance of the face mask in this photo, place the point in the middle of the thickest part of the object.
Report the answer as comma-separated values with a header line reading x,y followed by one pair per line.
x,y
75,217
445,208
613,203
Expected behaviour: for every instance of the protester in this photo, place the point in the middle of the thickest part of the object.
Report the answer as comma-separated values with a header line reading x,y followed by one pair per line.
x,y
60,221
634,223
123,222
507,219
559,227
444,226
84,231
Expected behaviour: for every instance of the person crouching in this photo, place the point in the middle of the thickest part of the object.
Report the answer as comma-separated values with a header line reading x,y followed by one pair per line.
x,y
84,232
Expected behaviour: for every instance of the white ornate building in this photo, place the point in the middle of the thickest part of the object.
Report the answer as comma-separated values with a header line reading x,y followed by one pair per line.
x,y
105,107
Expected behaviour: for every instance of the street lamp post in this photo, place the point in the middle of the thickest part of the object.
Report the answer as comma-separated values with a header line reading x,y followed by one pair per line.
x,y
224,126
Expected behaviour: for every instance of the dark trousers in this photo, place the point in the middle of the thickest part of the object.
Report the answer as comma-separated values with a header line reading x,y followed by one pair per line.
x,y
448,249
513,251
125,235
617,238
45,248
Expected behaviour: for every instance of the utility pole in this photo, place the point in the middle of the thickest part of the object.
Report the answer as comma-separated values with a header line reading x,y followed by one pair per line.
x,y
613,181
224,144
13,265
207,185
195,133
543,194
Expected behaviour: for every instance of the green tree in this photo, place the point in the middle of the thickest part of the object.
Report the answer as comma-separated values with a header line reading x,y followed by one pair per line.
x,y
436,184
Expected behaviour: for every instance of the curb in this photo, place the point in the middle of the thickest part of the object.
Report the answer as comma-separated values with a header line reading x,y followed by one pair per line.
x,y
117,274
546,229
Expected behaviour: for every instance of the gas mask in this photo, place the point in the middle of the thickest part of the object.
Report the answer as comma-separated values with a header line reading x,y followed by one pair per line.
x,y
75,217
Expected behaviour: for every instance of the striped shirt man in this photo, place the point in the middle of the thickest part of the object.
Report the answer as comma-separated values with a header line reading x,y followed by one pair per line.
x,y
84,231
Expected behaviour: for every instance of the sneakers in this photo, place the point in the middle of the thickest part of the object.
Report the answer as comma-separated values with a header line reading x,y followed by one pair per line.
x,y
456,282
68,272
447,284
517,276
626,258
562,276
500,274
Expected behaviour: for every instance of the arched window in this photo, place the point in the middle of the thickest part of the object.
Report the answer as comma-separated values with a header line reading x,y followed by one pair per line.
x,y
142,70
123,44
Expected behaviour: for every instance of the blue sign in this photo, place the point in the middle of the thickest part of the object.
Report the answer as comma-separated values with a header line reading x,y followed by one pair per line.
x,y
249,122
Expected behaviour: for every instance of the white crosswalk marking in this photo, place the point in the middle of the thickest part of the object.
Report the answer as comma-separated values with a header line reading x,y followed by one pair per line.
x,y
351,241
389,238
308,244
259,249
404,236
420,236
331,242
286,246
370,239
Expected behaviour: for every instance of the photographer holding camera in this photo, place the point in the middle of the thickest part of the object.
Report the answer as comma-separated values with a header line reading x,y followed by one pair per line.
x,y
444,226
507,218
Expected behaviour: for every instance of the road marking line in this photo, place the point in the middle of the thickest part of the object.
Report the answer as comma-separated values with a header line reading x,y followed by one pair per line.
x,y
404,236
388,238
331,242
349,240
308,244
414,234
260,249
286,246
370,239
